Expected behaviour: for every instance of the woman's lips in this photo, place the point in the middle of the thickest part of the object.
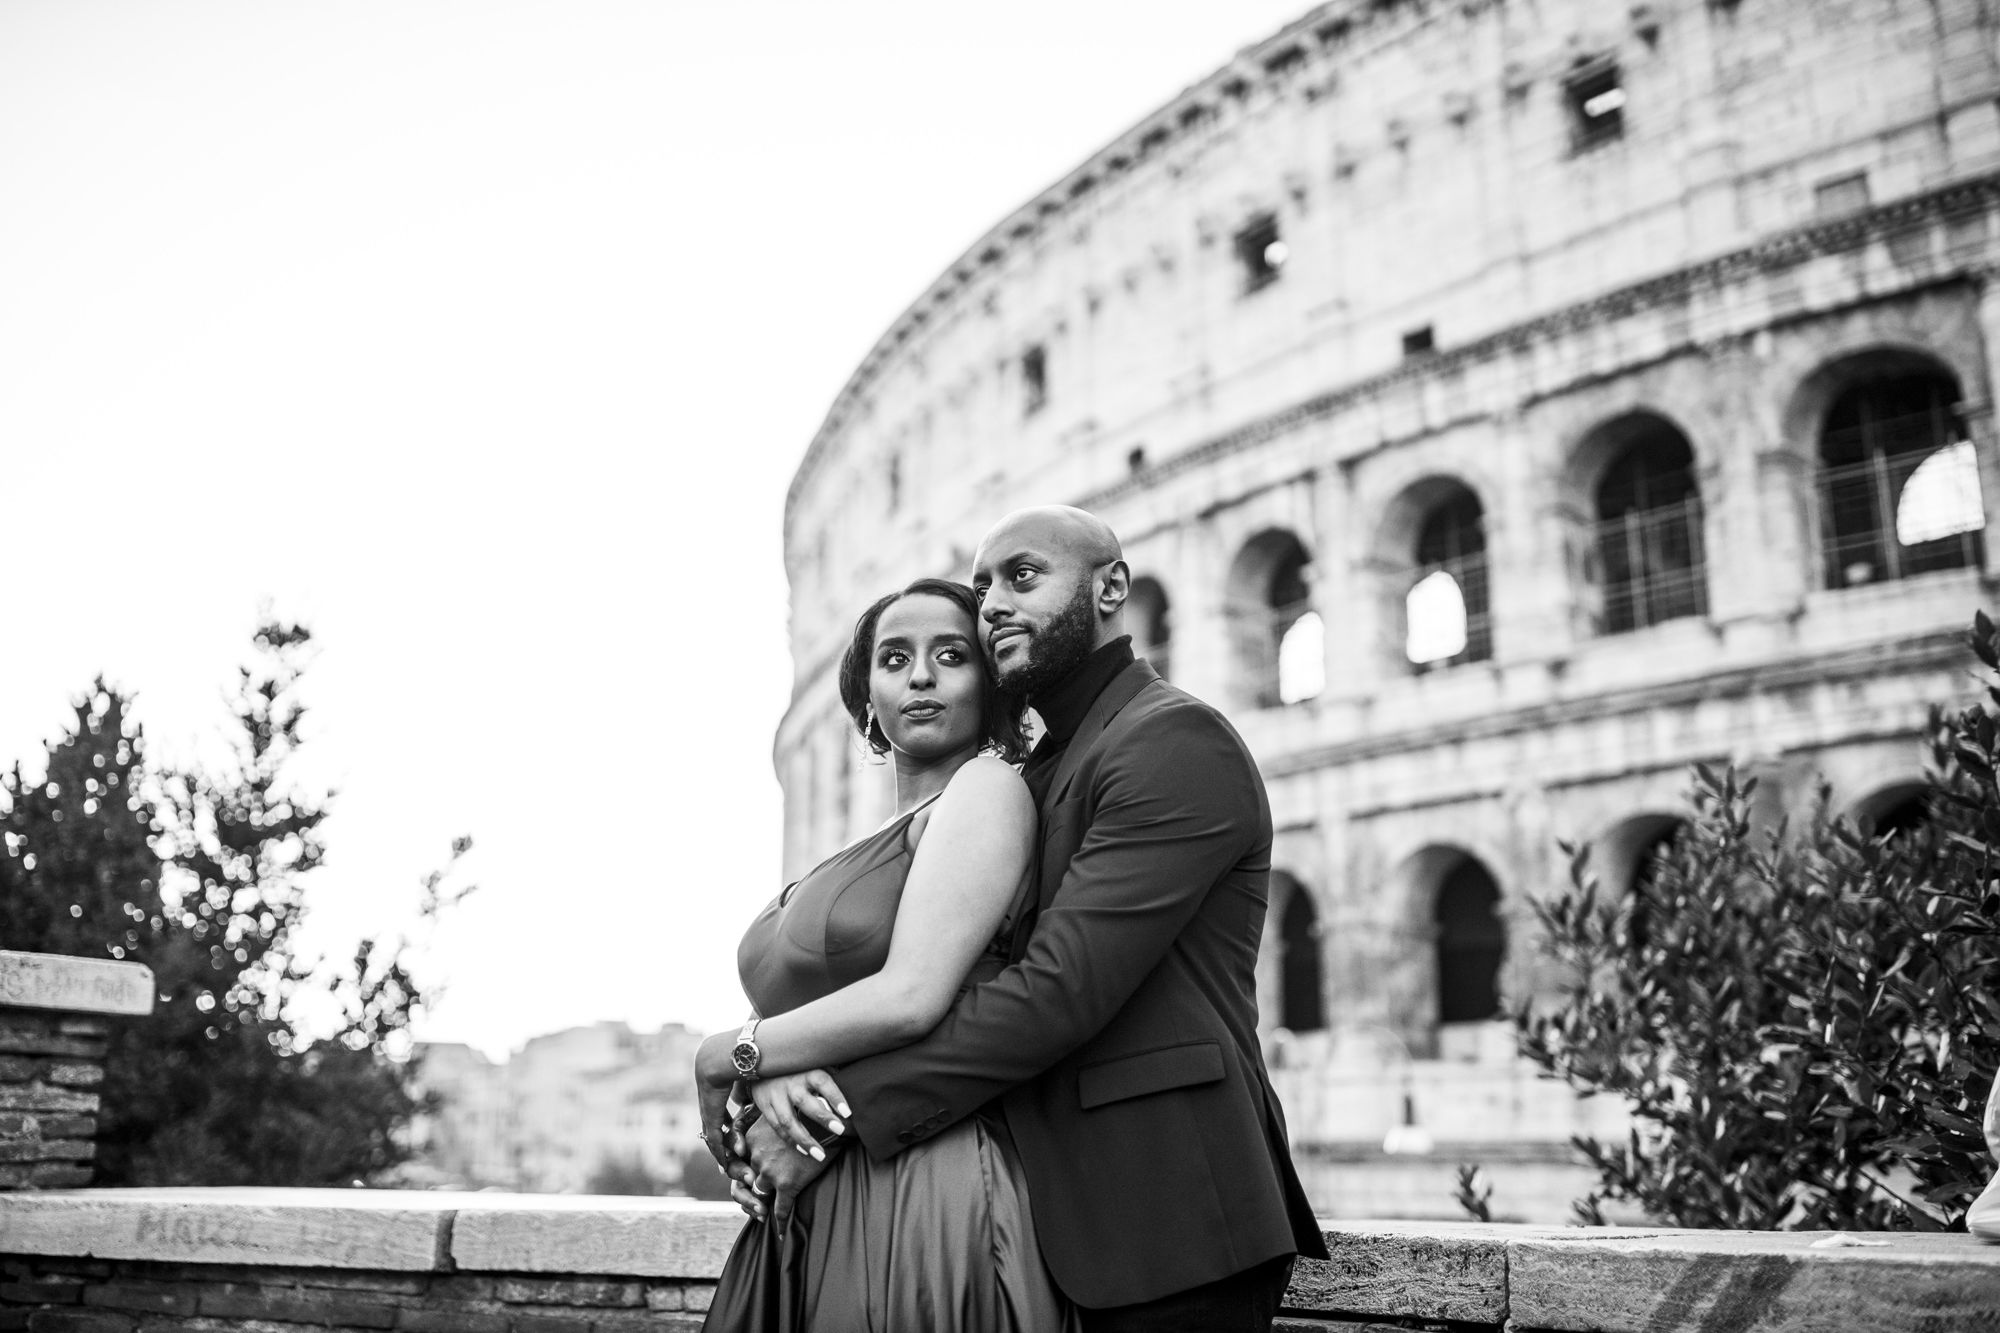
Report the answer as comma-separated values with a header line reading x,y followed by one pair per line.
x,y
922,710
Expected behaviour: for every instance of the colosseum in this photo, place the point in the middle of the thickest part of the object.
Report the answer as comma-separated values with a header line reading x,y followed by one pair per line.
x,y
1504,404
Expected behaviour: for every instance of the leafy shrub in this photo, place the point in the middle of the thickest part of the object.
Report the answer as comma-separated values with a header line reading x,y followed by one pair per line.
x,y
1804,1026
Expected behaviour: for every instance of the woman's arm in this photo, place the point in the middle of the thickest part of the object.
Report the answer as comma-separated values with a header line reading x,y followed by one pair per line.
x,y
966,869
712,1101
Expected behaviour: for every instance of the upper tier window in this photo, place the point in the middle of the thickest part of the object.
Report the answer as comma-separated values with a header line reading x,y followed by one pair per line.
x,y
1034,380
1595,96
1261,252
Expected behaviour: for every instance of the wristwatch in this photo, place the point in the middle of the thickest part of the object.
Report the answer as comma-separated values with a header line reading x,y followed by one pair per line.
x,y
744,1054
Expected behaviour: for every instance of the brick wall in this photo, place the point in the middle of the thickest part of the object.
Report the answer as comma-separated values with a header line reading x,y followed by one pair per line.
x,y
50,1066
288,1261
61,1295
55,1026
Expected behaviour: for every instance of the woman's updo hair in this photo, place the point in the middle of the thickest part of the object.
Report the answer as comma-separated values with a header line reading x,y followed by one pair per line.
x,y
1000,714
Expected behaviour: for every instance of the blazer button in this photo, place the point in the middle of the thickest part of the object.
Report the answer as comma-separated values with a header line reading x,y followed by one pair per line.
x,y
904,1136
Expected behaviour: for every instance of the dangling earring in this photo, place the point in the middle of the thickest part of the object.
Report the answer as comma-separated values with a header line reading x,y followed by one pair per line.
x,y
868,729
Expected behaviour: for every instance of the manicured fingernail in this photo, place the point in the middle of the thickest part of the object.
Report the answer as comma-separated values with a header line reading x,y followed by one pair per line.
x,y
836,1126
842,1108
814,1153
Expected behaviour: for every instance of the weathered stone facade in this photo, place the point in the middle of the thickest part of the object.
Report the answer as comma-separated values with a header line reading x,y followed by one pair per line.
x,y
1665,331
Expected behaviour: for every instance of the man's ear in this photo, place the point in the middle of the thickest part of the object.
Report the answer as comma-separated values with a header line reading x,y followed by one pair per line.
x,y
1113,587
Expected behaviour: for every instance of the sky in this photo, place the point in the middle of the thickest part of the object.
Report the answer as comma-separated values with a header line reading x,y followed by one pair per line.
x,y
484,338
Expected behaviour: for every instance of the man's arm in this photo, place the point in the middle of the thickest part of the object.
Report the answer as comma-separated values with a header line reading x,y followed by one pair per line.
x,y
1174,815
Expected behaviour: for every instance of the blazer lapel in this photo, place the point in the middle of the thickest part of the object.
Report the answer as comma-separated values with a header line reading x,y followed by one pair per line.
x,y
1116,695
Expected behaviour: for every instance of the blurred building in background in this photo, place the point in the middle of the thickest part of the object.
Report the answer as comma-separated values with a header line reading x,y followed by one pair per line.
x,y
1503,406
568,1112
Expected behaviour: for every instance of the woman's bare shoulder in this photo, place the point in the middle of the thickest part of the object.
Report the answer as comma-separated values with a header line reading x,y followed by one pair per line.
x,y
984,779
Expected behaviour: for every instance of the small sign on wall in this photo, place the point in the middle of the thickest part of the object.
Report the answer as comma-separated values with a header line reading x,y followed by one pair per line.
x,y
78,985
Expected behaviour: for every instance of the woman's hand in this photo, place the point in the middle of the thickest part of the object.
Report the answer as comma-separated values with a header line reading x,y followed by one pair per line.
x,y
792,1102
713,1064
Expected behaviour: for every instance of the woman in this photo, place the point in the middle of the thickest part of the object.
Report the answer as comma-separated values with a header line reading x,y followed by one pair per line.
x,y
866,953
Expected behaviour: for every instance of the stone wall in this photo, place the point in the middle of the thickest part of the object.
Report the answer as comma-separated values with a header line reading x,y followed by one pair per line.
x,y
55,1026
282,1261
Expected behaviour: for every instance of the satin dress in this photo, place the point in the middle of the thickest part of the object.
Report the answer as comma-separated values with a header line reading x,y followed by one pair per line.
x,y
940,1237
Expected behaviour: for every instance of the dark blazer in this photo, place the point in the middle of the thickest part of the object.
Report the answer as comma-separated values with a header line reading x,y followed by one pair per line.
x,y
1124,1036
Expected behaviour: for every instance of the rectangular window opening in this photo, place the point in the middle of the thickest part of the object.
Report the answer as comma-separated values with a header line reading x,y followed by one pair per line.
x,y
1135,461
1595,95
1260,252
1419,342
1841,194
1034,379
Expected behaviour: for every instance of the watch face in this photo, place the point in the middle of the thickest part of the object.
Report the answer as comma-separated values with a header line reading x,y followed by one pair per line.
x,y
745,1055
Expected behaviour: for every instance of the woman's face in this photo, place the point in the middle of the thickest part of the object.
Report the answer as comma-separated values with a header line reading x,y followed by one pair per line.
x,y
925,678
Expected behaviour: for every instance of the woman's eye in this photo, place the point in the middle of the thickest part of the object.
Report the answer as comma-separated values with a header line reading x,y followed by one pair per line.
x,y
893,660
951,656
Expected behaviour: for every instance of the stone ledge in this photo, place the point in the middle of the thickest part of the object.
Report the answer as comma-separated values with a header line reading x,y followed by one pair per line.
x,y
1768,1281
557,1233
382,1230
385,1230
74,985
1614,1279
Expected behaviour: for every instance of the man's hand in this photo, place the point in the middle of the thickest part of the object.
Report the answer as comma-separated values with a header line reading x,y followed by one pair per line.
x,y
770,1171
794,1102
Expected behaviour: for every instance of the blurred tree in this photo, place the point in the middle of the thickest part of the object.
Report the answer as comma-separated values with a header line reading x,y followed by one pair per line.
x,y
1805,1029
200,877
623,1175
699,1177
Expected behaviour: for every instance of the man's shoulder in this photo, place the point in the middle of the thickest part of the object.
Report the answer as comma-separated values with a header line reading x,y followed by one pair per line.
x,y
1168,741
1163,710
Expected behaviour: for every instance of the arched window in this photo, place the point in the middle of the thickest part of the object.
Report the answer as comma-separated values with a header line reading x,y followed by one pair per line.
x,y
1896,809
1146,611
1898,485
1302,659
1445,612
1471,943
1649,542
1301,996
1629,859
1276,634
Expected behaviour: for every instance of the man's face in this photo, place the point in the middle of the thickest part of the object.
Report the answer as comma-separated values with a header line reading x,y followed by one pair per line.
x,y
1038,618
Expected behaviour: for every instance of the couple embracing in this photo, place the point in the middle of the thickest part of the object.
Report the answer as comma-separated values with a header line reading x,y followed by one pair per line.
x,y
1005,1074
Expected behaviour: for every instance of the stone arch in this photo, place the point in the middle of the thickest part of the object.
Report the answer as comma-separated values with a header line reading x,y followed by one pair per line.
x,y
1149,616
1635,478
1453,906
1894,807
1471,943
1621,856
1431,557
1297,960
1853,363
1267,600
1895,481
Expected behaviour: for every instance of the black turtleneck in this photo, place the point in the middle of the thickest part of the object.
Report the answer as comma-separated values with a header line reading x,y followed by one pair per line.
x,y
1062,706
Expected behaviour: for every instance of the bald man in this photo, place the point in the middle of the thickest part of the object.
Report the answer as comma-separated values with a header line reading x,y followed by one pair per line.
x,y
1122,1041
